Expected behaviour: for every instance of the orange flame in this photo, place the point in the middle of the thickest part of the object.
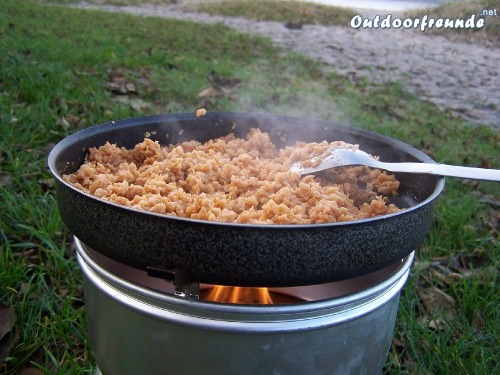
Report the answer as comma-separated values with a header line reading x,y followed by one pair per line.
x,y
241,295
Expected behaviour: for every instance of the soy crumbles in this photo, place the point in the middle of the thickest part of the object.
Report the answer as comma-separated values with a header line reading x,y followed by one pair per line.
x,y
236,180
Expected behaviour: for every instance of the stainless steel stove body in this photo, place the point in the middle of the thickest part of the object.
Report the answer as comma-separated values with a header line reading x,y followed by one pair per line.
x,y
137,325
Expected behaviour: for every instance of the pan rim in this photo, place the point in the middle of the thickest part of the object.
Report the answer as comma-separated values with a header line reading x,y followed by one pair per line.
x,y
54,153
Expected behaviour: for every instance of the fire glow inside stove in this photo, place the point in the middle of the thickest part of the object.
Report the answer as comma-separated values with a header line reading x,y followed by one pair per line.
x,y
139,323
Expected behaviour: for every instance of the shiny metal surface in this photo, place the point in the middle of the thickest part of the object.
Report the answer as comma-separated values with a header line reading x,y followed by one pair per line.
x,y
136,329
344,157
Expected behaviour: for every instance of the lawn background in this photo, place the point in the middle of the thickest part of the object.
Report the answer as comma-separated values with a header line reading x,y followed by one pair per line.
x,y
62,70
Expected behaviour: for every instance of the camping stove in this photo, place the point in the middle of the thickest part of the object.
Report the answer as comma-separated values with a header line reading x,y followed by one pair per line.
x,y
142,324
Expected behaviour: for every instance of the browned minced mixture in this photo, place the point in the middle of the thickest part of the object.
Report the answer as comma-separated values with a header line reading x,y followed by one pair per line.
x,y
231,179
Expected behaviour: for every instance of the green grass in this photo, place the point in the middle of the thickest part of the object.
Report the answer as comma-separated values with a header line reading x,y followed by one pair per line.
x,y
53,71
286,11
292,12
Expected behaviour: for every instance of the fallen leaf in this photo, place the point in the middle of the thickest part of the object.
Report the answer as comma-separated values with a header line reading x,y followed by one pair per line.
x,y
8,333
5,179
115,88
139,105
412,367
63,123
437,324
128,82
485,163
440,270
398,344
72,119
208,102
135,104
130,87
474,259
49,146
210,91
479,322
30,371
46,184
7,320
437,302
489,199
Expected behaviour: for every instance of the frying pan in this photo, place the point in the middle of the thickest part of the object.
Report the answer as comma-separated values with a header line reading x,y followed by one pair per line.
x,y
243,254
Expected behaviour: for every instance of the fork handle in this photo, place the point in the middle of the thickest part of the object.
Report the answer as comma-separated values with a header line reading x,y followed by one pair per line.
x,y
444,170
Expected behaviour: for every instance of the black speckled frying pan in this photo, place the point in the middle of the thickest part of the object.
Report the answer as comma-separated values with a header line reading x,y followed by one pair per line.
x,y
243,254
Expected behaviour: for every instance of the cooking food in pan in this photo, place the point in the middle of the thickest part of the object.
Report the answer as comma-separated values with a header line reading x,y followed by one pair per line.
x,y
232,179
241,254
